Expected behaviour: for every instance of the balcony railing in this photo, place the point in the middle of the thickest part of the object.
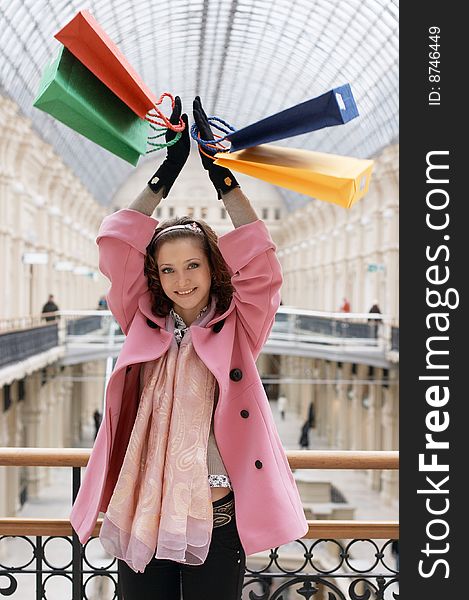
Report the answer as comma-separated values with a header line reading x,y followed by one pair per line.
x,y
304,568
94,334
84,325
20,344
367,329
395,339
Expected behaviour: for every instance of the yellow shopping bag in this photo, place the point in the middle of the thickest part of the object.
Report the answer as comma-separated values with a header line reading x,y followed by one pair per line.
x,y
338,179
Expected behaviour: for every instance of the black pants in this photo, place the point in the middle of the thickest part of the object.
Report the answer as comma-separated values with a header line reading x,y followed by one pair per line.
x,y
220,577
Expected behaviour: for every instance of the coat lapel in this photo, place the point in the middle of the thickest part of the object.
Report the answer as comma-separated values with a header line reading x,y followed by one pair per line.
x,y
144,304
146,342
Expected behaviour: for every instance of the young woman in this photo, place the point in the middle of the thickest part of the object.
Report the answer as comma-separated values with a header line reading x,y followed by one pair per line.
x,y
187,465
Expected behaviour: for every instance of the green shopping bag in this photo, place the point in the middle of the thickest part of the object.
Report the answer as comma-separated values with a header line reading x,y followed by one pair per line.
x,y
73,95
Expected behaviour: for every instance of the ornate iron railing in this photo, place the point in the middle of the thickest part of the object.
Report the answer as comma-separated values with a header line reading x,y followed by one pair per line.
x,y
274,580
325,568
340,579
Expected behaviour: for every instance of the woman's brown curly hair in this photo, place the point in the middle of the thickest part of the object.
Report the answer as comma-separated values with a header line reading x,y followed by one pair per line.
x,y
221,280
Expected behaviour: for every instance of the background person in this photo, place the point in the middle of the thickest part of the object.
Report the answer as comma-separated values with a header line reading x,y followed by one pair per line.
x,y
374,323
375,309
102,303
282,403
345,306
97,417
304,436
50,307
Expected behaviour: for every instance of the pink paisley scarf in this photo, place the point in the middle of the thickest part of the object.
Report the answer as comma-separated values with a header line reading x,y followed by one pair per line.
x,y
161,505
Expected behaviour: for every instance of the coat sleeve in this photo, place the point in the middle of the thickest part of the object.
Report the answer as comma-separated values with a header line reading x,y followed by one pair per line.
x,y
122,241
249,252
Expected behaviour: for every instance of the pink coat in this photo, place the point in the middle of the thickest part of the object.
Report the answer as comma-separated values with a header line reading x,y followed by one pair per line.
x,y
269,511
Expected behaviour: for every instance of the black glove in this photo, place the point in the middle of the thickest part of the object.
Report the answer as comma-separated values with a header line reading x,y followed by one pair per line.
x,y
221,177
176,155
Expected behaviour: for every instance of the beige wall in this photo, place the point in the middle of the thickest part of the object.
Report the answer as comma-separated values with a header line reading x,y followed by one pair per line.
x,y
326,250
43,208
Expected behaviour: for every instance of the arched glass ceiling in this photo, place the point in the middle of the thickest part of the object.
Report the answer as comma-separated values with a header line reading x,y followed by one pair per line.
x,y
247,59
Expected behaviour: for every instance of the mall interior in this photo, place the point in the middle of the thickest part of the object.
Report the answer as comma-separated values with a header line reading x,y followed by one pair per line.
x,y
335,362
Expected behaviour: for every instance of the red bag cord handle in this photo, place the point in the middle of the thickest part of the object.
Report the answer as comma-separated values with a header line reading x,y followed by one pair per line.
x,y
165,122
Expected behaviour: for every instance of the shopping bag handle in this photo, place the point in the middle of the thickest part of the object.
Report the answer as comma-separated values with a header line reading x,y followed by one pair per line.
x,y
161,145
164,121
216,142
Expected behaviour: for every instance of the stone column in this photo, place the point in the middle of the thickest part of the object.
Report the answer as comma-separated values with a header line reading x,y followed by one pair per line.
x,y
330,402
332,373
47,418
298,374
304,388
20,289
59,393
6,232
390,479
290,387
32,418
67,387
53,410
311,389
320,395
93,389
15,437
374,426
357,408
343,432
3,470
76,410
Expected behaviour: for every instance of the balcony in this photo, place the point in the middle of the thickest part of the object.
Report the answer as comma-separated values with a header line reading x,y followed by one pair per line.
x,y
81,336
20,344
325,564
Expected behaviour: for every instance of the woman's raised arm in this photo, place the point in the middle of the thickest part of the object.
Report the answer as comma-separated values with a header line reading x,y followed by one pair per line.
x,y
237,204
147,201
163,179
239,208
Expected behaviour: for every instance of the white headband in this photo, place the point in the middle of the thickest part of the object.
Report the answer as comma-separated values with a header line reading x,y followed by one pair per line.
x,y
191,226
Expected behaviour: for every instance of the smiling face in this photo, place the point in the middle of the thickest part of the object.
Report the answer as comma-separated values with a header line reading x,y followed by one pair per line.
x,y
185,276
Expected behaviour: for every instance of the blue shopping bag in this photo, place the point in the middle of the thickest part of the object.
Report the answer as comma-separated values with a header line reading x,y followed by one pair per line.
x,y
335,107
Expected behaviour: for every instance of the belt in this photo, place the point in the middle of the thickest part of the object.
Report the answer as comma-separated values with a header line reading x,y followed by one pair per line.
x,y
224,513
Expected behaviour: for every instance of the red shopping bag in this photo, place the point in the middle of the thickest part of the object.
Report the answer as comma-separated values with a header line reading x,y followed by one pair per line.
x,y
86,40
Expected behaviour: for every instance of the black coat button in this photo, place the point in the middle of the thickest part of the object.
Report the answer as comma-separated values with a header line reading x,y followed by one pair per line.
x,y
244,414
258,464
236,374
152,324
218,326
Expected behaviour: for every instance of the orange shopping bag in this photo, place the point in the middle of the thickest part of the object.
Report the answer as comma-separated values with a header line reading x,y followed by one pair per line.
x,y
85,39
338,179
